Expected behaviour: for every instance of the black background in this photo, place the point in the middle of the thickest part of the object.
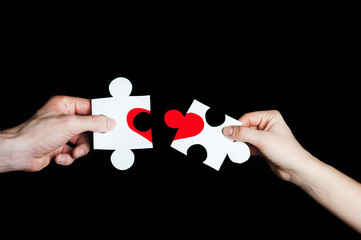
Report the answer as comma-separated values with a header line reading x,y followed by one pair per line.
x,y
302,63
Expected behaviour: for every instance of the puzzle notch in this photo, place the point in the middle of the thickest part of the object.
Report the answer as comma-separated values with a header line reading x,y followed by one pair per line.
x,y
123,138
213,140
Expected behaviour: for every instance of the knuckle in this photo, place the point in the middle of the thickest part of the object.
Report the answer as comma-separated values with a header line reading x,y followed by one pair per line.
x,y
57,99
67,124
96,119
275,113
99,121
240,133
36,164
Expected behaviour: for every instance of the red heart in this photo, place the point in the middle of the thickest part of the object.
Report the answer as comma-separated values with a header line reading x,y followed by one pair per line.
x,y
189,125
130,117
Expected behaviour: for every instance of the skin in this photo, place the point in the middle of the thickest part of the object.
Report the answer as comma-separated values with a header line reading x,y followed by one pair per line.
x,y
31,145
266,131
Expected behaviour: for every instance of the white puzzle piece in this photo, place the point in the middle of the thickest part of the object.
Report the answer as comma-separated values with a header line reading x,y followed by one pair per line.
x,y
211,138
123,108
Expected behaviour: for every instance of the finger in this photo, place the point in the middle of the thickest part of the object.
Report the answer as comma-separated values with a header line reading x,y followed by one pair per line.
x,y
69,154
68,105
66,149
82,146
258,119
76,124
64,159
65,156
81,106
253,150
244,134
74,105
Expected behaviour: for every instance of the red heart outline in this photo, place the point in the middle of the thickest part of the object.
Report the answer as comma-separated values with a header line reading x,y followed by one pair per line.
x,y
189,125
130,117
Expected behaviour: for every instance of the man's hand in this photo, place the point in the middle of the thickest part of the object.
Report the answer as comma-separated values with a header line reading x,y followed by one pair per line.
x,y
31,145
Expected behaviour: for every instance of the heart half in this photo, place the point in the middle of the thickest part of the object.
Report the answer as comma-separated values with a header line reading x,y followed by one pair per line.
x,y
189,125
130,118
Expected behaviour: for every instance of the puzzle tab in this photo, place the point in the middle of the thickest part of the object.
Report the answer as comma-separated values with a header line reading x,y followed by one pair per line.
x,y
193,129
123,108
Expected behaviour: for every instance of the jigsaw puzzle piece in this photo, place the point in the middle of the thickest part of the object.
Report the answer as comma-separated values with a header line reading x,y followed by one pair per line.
x,y
123,108
211,138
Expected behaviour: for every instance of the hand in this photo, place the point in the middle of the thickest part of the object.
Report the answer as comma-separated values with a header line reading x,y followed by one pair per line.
x,y
269,136
31,145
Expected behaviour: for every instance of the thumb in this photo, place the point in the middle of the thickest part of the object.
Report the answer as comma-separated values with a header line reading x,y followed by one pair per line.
x,y
244,134
93,123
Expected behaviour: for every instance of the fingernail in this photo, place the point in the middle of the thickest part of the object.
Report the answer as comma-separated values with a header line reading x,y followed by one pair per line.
x,y
228,131
111,123
61,160
80,153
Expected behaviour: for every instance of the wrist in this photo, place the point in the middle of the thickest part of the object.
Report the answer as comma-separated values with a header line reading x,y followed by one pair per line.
x,y
8,153
308,167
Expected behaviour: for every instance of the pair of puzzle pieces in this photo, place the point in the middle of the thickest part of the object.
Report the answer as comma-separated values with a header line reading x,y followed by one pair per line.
x,y
192,129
